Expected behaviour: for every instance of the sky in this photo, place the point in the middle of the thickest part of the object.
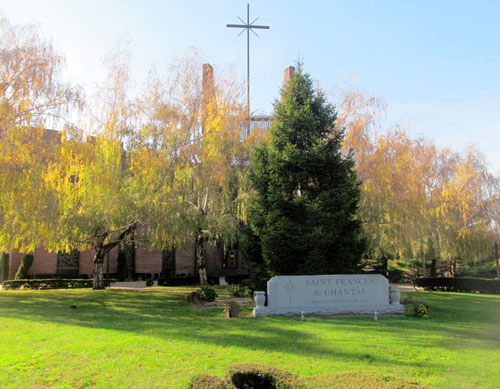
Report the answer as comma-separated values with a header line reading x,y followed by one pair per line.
x,y
435,63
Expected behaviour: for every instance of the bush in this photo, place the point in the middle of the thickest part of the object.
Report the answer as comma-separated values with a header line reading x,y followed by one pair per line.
x,y
149,282
24,268
208,294
471,285
477,270
4,267
421,309
237,291
207,381
249,375
51,283
175,281
202,295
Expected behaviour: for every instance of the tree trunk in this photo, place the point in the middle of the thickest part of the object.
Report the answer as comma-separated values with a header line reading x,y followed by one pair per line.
x,y
99,254
434,268
423,263
98,275
101,250
385,266
496,260
201,257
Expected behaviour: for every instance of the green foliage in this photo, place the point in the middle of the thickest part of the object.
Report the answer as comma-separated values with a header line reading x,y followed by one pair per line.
x,y
205,294
249,375
258,267
24,267
417,308
307,193
50,283
208,294
485,269
207,381
4,267
472,285
421,309
237,290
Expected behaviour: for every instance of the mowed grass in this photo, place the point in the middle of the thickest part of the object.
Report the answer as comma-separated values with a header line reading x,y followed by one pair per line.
x,y
131,339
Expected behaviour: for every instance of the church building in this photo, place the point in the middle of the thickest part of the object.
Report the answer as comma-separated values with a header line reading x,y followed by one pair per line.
x,y
178,266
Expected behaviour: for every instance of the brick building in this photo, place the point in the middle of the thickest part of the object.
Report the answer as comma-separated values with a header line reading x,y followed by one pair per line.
x,y
141,262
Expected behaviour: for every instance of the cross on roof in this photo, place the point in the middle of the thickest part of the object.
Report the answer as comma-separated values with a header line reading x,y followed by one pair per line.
x,y
248,26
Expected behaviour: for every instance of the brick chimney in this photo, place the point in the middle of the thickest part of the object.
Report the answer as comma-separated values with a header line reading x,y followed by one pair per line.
x,y
207,92
287,76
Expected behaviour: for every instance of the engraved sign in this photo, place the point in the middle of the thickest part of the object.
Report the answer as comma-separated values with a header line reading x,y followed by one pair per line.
x,y
329,294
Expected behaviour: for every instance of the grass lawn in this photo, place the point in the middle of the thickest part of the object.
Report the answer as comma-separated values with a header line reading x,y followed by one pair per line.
x,y
121,338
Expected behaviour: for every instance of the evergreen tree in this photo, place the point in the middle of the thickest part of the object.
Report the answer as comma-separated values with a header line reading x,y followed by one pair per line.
x,y
307,197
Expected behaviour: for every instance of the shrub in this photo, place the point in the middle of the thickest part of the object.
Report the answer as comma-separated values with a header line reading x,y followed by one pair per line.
x,y
202,295
480,285
421,309
149,282
206,381
249,375
24,268
51,283
207,293
4,267
237,291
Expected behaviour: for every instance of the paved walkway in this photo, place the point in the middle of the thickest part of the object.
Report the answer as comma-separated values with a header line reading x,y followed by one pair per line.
x,y
407,287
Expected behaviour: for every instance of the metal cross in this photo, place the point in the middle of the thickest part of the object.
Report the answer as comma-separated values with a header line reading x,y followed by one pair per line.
x,y
249,27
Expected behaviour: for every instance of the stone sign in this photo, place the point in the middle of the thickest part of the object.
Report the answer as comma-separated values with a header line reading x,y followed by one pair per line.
x,y
346,294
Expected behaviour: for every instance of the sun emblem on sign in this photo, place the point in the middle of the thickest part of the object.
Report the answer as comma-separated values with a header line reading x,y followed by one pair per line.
x,y
289,287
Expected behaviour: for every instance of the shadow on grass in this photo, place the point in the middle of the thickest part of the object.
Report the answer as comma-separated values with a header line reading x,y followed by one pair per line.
x,y
166,316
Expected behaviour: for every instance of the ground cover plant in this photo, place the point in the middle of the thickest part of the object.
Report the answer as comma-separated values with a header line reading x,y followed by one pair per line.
x,y
121,338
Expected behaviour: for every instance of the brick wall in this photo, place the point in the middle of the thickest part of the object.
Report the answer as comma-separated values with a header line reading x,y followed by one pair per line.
x,y
214,260
147,261
87,262
15,261
43,262
184,261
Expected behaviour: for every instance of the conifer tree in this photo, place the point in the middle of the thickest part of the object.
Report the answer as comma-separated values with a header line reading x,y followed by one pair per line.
x,y
307,193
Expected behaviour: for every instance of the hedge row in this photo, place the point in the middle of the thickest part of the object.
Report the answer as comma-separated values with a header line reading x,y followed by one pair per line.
x,y
50,283
472,285
246,375
177,281
249,375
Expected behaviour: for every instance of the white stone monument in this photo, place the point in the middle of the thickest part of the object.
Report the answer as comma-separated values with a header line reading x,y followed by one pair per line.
x,y
346,294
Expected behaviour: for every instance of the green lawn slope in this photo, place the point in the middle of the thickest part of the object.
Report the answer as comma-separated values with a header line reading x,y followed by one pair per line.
x,y
121,338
